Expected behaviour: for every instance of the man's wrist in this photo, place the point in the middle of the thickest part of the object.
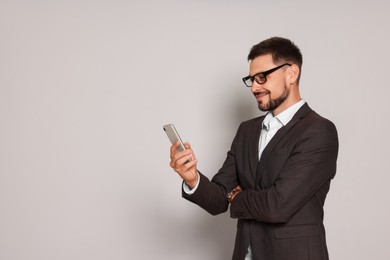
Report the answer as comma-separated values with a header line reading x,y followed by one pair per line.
x,y
193,183
190,190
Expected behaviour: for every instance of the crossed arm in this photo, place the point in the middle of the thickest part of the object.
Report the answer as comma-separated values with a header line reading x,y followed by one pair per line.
x,y
306,172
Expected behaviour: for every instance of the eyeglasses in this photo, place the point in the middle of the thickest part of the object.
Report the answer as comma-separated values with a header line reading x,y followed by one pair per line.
x,y
260,77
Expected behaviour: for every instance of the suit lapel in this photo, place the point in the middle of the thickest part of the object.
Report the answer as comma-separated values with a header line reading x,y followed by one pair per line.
x,y
254,147
301,113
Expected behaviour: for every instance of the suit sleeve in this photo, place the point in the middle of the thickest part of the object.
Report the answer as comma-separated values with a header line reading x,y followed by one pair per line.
x,y
211,195
310,166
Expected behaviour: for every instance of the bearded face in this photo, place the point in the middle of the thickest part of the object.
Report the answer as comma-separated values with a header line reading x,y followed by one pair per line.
x,y
270,104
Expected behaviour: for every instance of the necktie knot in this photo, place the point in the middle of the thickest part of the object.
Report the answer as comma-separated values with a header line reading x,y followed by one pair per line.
x,y
271,124
266,126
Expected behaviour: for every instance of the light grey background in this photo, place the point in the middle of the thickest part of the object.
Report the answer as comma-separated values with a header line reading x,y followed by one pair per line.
x,y
85,87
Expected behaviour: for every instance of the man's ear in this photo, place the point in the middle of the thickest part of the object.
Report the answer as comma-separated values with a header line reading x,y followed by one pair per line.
x,y
293,74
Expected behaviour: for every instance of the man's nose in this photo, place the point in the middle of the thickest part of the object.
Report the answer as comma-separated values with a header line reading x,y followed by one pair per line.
x,y
255,87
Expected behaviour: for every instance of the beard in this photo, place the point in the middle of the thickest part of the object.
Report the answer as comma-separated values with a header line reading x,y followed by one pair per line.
x,y
273,104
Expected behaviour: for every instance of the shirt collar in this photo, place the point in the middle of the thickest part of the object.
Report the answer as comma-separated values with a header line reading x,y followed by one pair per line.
x,y
285,116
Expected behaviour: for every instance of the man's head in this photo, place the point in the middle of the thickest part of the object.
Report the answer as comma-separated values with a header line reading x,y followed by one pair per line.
x,y
275,66
282,50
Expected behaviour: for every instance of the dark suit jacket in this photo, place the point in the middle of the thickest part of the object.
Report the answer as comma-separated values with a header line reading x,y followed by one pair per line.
x,y
280,212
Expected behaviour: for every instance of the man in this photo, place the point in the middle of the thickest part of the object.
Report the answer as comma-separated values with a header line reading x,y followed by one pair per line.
x,y
278,171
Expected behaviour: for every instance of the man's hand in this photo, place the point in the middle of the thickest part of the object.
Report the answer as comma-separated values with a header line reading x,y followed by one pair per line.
x,y
231,195
184,163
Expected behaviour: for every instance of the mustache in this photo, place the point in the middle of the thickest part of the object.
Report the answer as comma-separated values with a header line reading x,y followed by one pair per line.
x,y
261,92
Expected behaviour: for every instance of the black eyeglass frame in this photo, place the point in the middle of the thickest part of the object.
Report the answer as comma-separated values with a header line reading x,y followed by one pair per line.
x,y
264,73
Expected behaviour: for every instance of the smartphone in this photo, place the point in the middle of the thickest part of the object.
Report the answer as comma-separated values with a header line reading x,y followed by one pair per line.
x,y
174,136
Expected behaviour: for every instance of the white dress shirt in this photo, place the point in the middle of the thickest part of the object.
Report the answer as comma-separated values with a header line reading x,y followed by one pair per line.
x,y
271,124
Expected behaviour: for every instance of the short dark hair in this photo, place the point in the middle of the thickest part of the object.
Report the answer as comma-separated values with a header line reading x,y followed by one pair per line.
x,y
282,50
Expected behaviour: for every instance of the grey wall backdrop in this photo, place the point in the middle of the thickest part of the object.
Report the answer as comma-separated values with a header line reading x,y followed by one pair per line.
x,y
85,87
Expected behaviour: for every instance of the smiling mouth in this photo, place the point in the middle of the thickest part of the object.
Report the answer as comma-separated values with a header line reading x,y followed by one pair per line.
x,y
261,94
